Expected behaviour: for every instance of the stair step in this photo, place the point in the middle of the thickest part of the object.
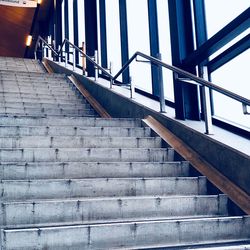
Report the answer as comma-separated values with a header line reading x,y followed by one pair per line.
x,y
79,142
169,233
73,131
66,121
16,190
104,210
76,170
86,154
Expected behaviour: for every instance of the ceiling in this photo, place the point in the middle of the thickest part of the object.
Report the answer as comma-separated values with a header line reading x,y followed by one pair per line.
x,y
16,23
15,27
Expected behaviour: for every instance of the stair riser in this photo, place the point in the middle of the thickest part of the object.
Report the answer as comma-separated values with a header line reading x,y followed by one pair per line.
x,y
94,210
62,189
43,105
20,68
54,111
37,82
85,155
45,99
35,75
38,99
51,121
79,142
71,96
36,85
78,170
74,131
130,235
36,88
33,91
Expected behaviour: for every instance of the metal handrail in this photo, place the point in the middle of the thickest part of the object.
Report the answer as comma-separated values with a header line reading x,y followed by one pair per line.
x,y
47,44
201,81
177,71
66,41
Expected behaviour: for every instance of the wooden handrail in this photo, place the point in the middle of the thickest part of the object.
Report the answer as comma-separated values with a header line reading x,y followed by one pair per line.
x,y
91,100
236,194
47,67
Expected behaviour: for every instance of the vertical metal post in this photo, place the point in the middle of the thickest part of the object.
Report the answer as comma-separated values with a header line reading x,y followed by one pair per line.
x,y
96,68
59,55
161,87
132,87
110,68
207,104
83,58
42,50
111,83
66,59
110,71
74,59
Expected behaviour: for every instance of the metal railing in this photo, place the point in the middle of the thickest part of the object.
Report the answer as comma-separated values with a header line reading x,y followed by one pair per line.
x,y
203,82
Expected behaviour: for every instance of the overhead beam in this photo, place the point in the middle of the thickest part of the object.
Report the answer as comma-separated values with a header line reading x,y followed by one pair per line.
x,y
221,38
229,54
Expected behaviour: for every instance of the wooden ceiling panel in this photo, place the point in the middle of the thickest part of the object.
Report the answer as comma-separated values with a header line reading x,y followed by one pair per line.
x,y
15,24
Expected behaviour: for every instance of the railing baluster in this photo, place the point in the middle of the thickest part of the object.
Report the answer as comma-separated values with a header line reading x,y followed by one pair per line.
x,y
207,104
206,85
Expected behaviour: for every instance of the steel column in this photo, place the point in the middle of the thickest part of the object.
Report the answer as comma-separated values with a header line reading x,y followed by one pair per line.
x,y
66,27
124,38
91,32
75,24
186,95
154,44
103,33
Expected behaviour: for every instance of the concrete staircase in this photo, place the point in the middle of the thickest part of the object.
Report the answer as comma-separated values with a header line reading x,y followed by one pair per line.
x,y
71,180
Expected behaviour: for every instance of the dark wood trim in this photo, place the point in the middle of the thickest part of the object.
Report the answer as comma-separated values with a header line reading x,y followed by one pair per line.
x,y
91,100
236,194
47,67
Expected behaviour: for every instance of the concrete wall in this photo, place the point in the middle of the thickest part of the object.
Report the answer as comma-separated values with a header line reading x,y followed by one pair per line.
x,y
230,162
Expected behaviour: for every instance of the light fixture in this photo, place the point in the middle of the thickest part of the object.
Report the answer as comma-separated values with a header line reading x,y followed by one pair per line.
x,y
28,40
39,1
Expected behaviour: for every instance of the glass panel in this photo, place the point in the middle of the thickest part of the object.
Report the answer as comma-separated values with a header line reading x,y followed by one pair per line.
x,y
138,37
165,47
233,76
113,35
